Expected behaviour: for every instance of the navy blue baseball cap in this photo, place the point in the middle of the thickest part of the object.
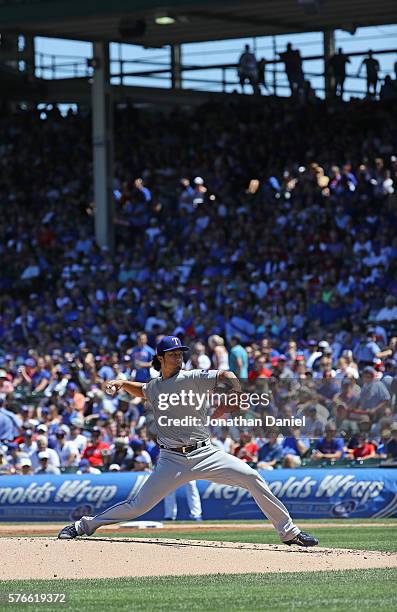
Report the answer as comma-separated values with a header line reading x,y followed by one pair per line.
x,y
170,343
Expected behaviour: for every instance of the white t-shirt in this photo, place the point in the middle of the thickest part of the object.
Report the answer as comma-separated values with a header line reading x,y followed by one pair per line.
x,y
80,441
66,451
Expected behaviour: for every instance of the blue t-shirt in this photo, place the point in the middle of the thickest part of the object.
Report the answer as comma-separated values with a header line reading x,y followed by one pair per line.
x,y
9,425
106,372
238,352
145,354
290,447
366,352
328,447
39,376
270,453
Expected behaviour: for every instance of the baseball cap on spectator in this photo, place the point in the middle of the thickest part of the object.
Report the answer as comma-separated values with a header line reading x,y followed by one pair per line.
x,y
198,180
120,442
96,431
312,343
44,455
30,362
42,427
3,374
71,386
84,463
28,433
25,462
45,410
393,427
369,370
323,344
170,343
114,467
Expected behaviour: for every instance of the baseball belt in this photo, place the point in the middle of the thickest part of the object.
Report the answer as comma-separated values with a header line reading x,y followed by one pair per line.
x,y
186,449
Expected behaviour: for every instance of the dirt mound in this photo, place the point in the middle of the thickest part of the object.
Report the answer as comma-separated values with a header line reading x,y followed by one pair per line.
x,y
46,529
48,558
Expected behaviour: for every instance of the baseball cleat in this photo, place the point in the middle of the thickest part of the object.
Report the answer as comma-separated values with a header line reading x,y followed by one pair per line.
x,y
68,533
303,539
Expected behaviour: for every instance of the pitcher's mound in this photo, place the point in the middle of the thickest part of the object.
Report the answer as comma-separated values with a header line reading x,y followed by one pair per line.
x,y
48,558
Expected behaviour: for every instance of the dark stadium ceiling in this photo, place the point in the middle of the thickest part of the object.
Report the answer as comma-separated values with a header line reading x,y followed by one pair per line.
x,y
134,21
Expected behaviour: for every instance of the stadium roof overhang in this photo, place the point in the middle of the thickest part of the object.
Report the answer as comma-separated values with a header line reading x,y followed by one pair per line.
x,y
136,21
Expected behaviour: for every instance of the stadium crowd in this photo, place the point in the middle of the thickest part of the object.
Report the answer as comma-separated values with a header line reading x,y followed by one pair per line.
x,y
264,239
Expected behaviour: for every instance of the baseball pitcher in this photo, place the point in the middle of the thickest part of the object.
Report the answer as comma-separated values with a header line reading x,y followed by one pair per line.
x,y
186,451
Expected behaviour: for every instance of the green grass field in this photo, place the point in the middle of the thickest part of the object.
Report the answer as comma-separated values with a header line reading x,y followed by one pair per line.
x,y
372,590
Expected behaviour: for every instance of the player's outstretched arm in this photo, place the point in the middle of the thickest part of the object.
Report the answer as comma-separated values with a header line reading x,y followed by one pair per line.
x,y
112,387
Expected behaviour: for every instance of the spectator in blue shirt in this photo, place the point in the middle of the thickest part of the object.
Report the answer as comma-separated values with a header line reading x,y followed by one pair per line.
x,y
295,446
41,377
142,356
106,371
374,396
329,447
271,453
367,350
9,424
238,358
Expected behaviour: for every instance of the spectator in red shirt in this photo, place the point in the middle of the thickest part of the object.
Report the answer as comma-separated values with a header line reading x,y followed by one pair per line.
x,y
96,449
247,450
364,449
260,370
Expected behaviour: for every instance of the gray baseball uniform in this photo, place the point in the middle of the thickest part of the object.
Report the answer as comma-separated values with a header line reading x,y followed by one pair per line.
x,y
174,398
